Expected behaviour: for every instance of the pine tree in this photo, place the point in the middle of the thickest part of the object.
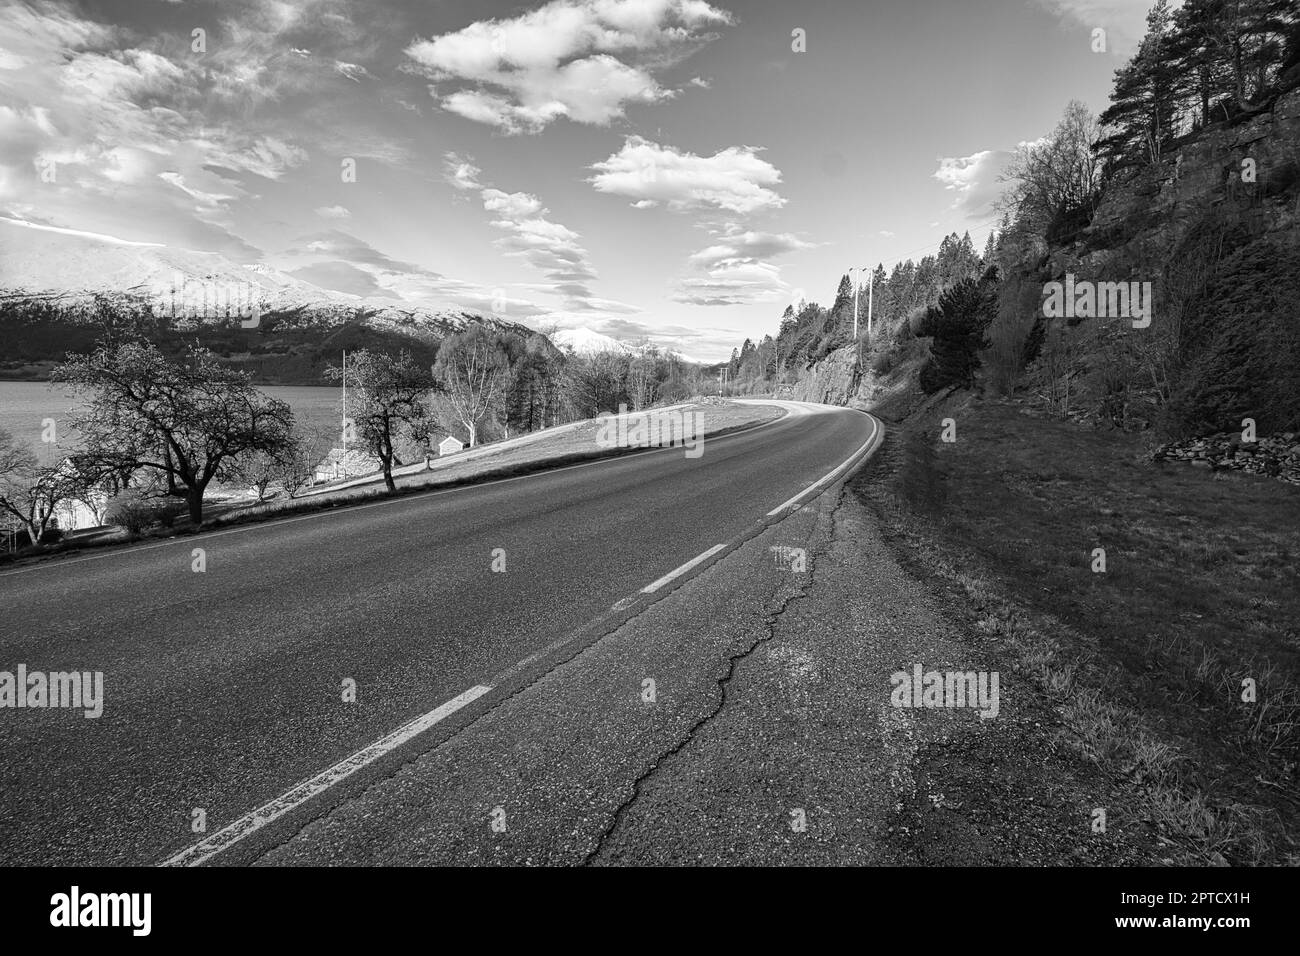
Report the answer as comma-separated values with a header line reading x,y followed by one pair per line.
x,y
1144,103
957,326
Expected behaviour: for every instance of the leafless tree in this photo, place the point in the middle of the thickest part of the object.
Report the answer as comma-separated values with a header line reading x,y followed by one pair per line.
x,y
1054,176
472,369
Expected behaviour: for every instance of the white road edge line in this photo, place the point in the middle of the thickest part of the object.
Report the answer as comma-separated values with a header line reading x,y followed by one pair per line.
x,y
413,495
830,476
678,572
250,823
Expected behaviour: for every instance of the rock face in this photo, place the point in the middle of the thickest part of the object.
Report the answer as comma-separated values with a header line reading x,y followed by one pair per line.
x,y
832,381
1276,456
1237,172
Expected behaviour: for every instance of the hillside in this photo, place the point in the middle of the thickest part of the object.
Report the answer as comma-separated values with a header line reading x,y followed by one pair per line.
x,y
1107,497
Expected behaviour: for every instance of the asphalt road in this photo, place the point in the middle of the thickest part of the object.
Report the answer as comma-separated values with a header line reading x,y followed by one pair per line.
x,y
224,689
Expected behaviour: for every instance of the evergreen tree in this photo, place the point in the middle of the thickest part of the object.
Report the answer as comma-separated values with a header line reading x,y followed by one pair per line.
x,y
957,326
1144,104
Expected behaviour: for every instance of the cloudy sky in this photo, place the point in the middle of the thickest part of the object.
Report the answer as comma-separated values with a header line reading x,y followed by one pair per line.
x,y
666,168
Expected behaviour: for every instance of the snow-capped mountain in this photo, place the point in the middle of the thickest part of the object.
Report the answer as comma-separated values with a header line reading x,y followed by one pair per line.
x,y
586,341
47,269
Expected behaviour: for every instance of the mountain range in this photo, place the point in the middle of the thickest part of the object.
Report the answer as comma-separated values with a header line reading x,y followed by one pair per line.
x,y
57,284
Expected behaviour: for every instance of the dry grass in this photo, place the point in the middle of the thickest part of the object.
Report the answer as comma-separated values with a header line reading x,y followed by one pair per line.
x,y
1145,662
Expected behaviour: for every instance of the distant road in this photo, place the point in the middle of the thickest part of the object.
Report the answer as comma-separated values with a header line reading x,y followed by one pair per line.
x,y
224,689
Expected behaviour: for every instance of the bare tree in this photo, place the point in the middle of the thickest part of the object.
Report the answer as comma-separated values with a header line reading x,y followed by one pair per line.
x,y
1059,354
190,420
388,403
1055,176
296,466
473,369
31,492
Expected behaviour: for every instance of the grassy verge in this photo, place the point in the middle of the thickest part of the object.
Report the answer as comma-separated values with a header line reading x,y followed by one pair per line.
x,y
567,448
1146,663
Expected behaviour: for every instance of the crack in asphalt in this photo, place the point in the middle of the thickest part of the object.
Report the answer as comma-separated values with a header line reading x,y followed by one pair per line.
x,y
579,649
770,624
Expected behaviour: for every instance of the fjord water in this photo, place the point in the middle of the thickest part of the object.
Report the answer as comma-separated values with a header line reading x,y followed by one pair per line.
x,y
24,406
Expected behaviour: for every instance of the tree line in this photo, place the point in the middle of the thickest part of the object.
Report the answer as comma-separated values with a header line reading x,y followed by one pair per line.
x,y
157,432
1210,61
809,332
1207,61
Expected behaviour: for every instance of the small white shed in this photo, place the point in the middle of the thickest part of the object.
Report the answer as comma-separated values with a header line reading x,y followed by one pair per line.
x,y
450,445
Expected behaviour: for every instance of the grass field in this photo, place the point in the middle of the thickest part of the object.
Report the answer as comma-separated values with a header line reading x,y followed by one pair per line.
x,y
1147,661
564,447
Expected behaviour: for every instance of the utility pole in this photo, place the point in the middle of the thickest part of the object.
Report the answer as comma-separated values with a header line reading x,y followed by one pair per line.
x,y
871,292
870,296
855,309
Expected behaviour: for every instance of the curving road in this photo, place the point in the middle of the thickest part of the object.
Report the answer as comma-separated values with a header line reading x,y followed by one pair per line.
x,y
224,689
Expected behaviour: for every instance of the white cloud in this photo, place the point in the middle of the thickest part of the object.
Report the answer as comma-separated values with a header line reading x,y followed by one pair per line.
x,y
333,212
734,271
550,247
733,180
147,129
512,206
739,284
732,184
1125,21
586,60
206,200
736,248
974,179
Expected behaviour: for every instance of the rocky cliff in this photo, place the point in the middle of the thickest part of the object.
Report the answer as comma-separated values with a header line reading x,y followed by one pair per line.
x,y
1242,174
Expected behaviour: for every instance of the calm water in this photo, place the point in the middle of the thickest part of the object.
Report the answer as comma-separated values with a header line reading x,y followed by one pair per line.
x,y
25,405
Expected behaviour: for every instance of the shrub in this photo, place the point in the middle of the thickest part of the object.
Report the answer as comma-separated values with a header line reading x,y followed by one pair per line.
x,y
1010,330
166,511
1239,352
51,536
131,512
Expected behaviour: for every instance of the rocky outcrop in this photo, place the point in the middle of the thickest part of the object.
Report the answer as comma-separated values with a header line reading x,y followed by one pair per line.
x,y
833,381
1239,172
1276,456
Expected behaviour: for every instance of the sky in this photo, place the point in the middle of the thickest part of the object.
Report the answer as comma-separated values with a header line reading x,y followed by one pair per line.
x,y
671,170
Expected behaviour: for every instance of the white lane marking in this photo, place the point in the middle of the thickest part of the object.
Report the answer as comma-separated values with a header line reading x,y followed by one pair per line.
x,y
678,572
406,498
829,477
252,822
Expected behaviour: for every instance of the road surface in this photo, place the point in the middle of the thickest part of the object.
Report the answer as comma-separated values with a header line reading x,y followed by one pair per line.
x,y
225,689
